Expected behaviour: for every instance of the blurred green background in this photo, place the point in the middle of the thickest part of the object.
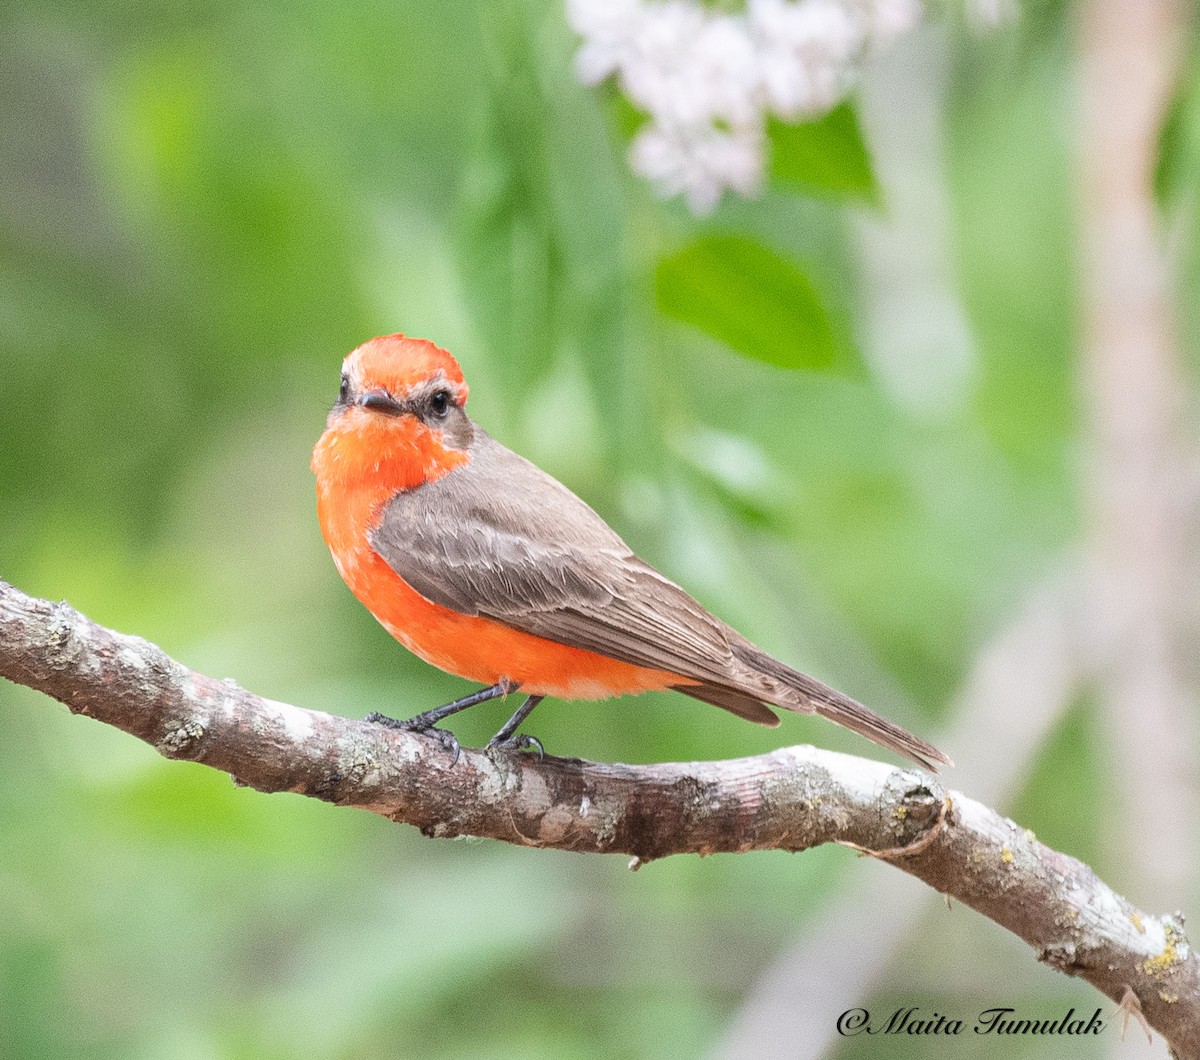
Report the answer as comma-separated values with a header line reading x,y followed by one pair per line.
x,y
204,207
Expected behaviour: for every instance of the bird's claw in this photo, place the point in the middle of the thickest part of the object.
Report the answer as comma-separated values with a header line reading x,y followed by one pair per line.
x,y
448,741
517,742
445,737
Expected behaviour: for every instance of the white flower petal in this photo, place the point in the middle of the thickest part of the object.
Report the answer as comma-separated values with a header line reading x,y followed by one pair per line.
x,y
700,162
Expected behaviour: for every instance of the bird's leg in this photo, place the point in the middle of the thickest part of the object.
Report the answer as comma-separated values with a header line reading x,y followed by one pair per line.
x,y
430,718
505,738
427,722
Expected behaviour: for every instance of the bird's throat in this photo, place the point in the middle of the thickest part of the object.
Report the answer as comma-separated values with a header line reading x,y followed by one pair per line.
x,y
360,450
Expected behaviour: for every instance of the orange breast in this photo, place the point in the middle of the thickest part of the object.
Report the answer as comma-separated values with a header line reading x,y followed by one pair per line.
x,y
476,648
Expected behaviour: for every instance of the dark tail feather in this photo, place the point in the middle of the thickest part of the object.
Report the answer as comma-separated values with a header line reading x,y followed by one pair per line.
x,y
730,699
853,715
845,711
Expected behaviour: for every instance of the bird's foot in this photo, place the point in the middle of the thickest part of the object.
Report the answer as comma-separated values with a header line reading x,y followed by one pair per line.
x,y
508,739
517,742
420,725
375,718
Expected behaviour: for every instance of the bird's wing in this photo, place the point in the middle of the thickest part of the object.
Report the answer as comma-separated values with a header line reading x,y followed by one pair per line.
x,y
499,537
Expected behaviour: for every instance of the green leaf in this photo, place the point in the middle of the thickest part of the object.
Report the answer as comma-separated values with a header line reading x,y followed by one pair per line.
x,y
1178,161
625,118
827,156
753,300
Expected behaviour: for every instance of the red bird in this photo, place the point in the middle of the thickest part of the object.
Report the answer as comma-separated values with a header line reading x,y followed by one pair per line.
x,y
488,568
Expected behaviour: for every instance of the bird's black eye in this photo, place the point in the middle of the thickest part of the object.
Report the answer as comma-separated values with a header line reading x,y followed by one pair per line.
x,y
439,403
344,390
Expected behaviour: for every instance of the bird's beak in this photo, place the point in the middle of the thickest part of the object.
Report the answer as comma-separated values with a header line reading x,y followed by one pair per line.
x,y
381,401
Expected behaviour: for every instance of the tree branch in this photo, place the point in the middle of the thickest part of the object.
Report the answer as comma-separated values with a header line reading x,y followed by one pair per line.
x,y
791,799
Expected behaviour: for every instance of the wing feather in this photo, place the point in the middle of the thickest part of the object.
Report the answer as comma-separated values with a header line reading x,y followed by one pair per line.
x,y
537,558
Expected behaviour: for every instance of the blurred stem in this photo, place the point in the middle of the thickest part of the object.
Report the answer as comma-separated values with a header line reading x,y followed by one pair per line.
x,y
1132,386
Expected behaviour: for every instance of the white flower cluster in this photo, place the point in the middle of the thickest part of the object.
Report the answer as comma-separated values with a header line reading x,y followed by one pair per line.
x,y
708,79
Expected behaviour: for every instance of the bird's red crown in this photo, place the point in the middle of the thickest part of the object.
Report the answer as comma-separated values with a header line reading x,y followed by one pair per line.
x,y
396,363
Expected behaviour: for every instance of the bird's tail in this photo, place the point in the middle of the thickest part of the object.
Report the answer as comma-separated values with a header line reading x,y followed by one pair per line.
x,y
815,697
853,715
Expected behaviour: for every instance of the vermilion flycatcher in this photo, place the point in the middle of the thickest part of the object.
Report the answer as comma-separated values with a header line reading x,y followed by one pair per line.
x,y
486,567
